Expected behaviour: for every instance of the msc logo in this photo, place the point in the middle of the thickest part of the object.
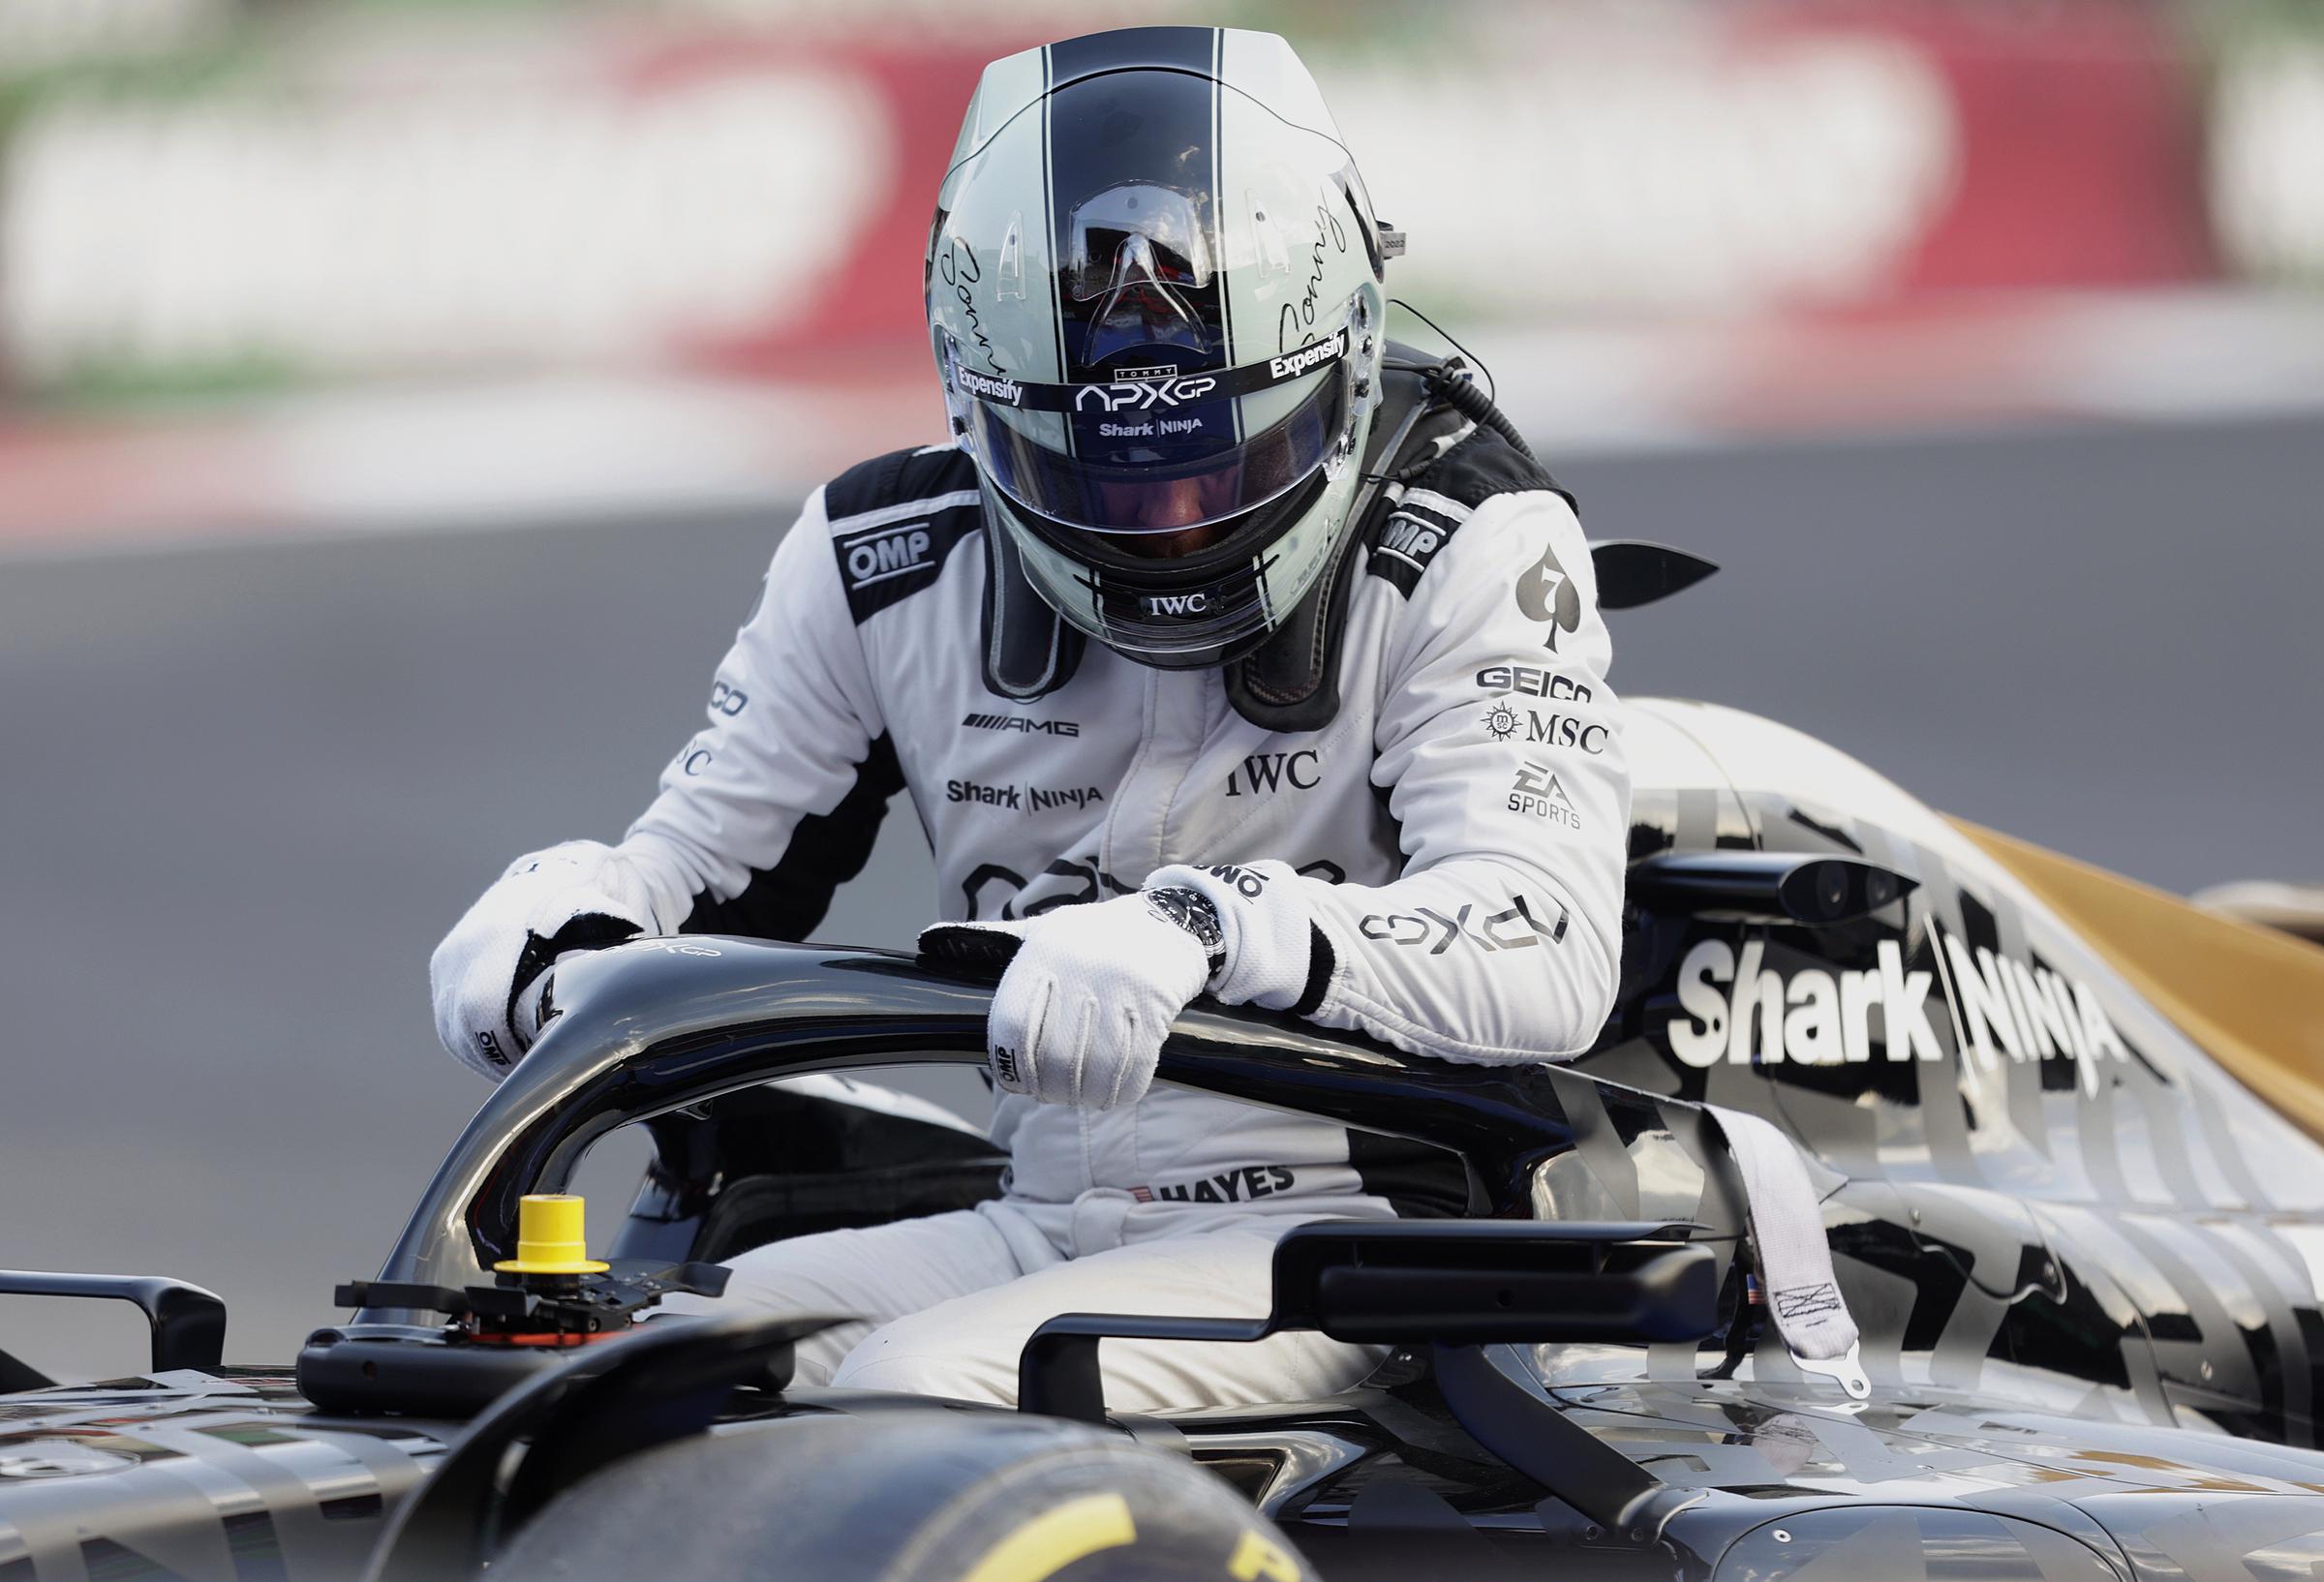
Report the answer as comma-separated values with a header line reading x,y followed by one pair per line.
x,y
1140,395
1180,604
1265,771
889,553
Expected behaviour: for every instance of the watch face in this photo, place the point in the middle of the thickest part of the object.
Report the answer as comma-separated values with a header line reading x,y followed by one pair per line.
x,y
1192,911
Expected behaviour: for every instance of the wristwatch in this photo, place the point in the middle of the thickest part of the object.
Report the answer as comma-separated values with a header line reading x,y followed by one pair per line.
x,y
1192,911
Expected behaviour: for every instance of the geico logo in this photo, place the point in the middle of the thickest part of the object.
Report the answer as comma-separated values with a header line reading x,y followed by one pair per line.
x,y
1176,603
1140,394
1740,1011
1564,731
1293,363
991,795
727,700
990,388
1265,771
1534,683
1512,930
889,554
1084,797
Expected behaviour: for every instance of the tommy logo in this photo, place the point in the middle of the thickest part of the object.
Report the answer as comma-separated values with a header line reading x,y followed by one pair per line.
x,y
891,552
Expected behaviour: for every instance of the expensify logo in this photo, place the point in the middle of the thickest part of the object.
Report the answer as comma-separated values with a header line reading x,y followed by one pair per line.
x,y
1740,1011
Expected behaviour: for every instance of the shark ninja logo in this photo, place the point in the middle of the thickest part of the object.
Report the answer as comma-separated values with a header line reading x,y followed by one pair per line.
x,y
1545,594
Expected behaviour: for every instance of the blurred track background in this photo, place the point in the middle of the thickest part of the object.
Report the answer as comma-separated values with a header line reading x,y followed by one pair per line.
x,y
399,400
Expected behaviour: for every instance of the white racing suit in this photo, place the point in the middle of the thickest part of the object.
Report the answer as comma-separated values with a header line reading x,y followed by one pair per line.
x,y
1458,831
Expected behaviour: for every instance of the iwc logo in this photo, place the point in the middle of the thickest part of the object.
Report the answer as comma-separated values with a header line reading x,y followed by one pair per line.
x,y
1501,722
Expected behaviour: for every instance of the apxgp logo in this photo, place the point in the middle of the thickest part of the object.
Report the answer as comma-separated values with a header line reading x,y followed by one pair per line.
x,y
1141,395
1512,930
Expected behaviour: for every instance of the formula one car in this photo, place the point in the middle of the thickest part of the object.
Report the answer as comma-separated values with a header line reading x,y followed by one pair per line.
x,y
2065,1131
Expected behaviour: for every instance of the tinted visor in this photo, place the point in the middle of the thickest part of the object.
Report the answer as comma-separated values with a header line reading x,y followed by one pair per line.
x,y
1134,460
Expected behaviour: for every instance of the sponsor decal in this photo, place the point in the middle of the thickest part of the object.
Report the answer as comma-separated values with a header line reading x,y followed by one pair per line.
x,y
1424,926
1545,594
1267,770
1536,791
1019,723
1166,428
1292,364
727,700
1032,798
697,760
1248,883
1532,682
490,1048
1178,604
1002,389
1408,537
1738,1010
1004,1066
1233,1186
1503,723
1089,882
991,795
1086,796
891,552
1142,395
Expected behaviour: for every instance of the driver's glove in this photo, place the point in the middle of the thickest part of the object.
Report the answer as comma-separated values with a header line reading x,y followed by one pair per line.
x,y
1090,992
489,977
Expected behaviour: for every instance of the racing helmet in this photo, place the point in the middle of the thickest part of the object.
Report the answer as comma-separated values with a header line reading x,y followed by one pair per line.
x,y
1153,289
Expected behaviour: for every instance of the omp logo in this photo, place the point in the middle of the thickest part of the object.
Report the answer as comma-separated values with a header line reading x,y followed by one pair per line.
x,y
1740,1011
1180,604
1018,722
1410,538
889,553
1248,883
1293,363
1512,930
1140,394
1003,388
1267,770
1534,683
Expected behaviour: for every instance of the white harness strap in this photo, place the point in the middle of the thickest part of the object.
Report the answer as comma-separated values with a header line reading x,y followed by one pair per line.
x,y
1795,1261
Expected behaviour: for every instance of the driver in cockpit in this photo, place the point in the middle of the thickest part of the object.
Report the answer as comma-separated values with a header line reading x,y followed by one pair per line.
x,y
1221,651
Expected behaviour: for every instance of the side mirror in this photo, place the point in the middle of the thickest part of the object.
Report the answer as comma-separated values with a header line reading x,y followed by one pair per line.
x,y
1436,1282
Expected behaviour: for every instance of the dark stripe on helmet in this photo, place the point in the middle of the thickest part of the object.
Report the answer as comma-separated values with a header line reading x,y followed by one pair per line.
x,y
1218,210
1107,122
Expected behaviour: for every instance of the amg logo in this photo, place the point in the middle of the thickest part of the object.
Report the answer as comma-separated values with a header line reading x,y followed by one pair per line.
x,y
1088,796
1740,1011
1018,722
1265,771
889,553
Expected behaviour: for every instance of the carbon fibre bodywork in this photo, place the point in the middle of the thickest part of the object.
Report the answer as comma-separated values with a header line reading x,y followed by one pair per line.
x,y
2084,1260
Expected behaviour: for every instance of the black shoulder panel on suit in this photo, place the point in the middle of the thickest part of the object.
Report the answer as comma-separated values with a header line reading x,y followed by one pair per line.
x,y
895,520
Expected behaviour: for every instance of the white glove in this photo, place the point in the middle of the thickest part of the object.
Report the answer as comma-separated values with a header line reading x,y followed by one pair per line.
x,y
1090,992
1087,997
579,896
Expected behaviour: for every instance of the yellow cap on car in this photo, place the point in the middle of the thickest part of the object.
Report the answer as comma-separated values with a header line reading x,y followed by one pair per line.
x,y
550,1236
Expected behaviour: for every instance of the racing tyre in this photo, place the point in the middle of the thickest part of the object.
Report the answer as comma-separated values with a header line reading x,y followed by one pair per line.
x,y
902,1496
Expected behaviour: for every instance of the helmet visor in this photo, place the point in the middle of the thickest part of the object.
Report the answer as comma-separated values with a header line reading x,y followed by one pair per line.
x,y
1136,461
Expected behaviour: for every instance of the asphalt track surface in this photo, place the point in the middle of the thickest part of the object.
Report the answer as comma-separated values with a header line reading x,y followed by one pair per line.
x,y
243,790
